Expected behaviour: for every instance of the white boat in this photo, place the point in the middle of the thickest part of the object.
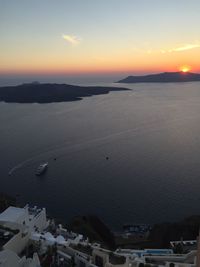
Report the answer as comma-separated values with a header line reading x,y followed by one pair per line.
x,y
41,169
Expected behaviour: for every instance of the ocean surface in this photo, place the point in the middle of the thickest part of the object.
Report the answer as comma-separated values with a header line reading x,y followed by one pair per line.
x,y
128,157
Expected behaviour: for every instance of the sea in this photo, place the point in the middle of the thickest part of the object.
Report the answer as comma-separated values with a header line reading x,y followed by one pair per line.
x,y
127,157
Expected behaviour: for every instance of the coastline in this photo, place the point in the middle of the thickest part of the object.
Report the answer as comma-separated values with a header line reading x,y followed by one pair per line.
x,y
159,236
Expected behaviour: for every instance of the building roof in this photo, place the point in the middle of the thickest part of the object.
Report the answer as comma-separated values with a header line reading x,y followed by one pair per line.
x,y
8,258
12,214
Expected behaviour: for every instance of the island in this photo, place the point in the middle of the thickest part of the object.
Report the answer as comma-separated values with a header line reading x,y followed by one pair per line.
x,y
164,77
48,93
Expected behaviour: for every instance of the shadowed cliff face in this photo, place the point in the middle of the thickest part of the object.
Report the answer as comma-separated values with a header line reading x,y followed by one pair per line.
x,y
92,227
6,201
48,93
163,233
165,77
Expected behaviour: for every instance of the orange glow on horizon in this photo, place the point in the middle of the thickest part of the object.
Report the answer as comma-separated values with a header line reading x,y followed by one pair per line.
x,y
97,68
185,68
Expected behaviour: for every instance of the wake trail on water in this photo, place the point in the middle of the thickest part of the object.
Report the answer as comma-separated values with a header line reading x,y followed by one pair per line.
x,y
77,147
69,148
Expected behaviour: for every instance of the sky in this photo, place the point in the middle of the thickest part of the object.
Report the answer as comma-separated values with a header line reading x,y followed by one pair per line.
x,y
98,36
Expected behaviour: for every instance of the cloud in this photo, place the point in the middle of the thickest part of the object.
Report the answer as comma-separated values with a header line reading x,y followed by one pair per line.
x,y
73,40
186,47
181,48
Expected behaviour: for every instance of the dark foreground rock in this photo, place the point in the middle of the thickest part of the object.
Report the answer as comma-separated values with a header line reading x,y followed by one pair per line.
x,y
6,201
187,229
162,233
49,93
94,229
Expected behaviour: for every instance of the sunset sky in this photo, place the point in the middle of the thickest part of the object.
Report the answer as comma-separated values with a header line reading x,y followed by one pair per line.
x,y
95,36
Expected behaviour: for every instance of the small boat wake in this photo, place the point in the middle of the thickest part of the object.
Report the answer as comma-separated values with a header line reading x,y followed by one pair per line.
x,y
38,157
20,165
60,151
70,149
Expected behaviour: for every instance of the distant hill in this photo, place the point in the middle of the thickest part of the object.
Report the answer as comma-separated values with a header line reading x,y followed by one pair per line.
x,y
164,77
48,93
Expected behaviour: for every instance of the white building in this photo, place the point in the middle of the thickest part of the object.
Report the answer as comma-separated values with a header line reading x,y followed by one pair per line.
x,y
33,218
17,225
10,259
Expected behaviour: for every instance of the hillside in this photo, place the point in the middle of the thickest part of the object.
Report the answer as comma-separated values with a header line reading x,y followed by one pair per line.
x,y
48,93
164,77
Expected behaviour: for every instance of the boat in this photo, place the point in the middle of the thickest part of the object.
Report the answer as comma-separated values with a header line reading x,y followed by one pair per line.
x,y
41,169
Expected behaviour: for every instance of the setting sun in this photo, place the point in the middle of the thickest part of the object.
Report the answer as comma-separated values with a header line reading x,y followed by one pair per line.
x,y
185,68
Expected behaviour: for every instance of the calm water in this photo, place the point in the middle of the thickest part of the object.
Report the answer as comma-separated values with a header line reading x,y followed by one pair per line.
x,y
150,134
